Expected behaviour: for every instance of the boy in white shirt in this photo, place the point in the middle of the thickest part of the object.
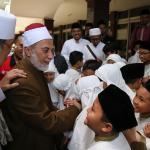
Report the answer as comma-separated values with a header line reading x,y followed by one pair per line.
x,y
111,113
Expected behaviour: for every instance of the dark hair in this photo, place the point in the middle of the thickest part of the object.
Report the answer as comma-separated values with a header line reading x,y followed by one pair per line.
x,y
147,85
111,47
17,36
92,65
130,81
89,24
76,25
60,63
144,12
74,57
100,22
145,45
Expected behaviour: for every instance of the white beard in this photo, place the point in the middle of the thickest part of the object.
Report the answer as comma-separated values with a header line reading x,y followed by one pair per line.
x,y
34,60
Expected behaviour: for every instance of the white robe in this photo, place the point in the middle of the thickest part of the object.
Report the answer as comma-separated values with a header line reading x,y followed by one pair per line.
x,y
73,74
141,123
54,95
147,70
82,135
118,143
71,45
98,51
134,59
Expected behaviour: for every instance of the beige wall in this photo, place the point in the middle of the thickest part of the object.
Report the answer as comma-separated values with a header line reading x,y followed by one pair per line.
x,y
22,22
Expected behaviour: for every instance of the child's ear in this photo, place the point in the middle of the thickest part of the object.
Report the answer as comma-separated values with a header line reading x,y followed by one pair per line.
x,y
107,127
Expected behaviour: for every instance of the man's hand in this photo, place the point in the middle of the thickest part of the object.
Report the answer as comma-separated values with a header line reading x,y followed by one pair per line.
x,y
5,83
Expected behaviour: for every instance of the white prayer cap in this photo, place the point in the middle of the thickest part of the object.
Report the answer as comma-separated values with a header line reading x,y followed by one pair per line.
x,y
34,33
7,25
62,82
114,57
120,64
94,32
111,74
51,67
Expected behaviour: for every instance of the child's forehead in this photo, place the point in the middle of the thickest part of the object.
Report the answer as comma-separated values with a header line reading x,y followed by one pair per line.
x,y
49,73
143,92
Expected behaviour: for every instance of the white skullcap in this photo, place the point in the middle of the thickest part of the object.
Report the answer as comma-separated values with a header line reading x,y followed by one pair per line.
x,y
120,64
7,25
51,67
114,57
62,82
35,33
94,32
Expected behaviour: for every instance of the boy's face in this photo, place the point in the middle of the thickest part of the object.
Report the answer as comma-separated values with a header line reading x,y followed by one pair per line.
x,y
141,101
144,55
88,72
94,117
49,76
79,64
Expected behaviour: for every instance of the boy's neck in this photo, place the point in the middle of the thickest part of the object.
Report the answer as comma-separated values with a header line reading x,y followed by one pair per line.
x,y
106,137
144,115
76,68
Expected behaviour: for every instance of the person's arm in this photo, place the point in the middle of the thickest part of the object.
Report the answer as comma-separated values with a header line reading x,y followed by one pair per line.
x,y
65,52
35,112
5,83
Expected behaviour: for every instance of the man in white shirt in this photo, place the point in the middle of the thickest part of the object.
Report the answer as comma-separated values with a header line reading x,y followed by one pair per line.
x,y
94,50
77,43
7,30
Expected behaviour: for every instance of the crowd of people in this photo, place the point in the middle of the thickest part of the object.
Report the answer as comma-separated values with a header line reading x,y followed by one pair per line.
x,y
86,98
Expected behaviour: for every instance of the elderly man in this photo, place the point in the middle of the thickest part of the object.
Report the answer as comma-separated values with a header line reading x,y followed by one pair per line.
x,y
34,122
94,50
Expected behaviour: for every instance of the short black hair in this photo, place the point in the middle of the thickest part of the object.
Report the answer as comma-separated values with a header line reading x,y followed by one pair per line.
x,y
92,65
100,22
17,36
60,63
76,25
89,24
111,47
74,57
145,45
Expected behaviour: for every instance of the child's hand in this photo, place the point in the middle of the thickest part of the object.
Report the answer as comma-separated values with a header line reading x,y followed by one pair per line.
x,y
72,102
147,130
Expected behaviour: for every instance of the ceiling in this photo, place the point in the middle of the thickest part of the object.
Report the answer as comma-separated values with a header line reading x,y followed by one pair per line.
x,y
62,11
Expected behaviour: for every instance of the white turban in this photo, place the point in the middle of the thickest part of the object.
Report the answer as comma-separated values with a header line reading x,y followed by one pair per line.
x,y
62,82
94,32
89,87
114,57
34,33
7,25
111,74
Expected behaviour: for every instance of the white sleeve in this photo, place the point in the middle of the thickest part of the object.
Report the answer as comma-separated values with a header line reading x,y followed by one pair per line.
x,y
2,96
65,52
